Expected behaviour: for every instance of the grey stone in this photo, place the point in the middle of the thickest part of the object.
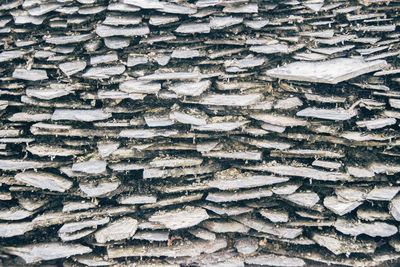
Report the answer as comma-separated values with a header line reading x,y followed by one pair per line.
x,y
305,172
223,22
372,229
14,165
304,199
70,68
246,245
225,227
110,31
90,167
142,87
274,260
46,251
202,234
44,180
14,214
330,71
237,196
98,188
340,207
48,93
193,28
270,49
343,246
394,208
10,55
269,228
180,218
327,114
152,235
275,215
77,226
232,179
231,100
80,115
385,193
30,75
104,72
14,229
117,230
184,249
62,40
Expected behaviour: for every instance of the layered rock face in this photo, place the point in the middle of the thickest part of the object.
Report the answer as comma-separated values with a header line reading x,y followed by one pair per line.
x,y
219,133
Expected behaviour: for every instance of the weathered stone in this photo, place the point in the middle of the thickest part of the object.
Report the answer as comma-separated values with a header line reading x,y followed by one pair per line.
x,y
46,251
372,229
69,39
274,215
14,229
90,167
343,246
180,218
70,68
98,188
383,193
331,71
327,114
274,260
232,179
305,199
203,234
80,115
30,75
225,227
44,180
237,196
246,245
185,249
117,230
340,207
14,214
269,228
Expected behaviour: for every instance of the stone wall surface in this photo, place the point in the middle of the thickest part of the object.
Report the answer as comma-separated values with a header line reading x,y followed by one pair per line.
x,y
224,133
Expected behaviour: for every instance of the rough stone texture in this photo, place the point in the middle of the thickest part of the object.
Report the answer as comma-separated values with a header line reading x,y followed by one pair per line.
x,y
221,133
180,218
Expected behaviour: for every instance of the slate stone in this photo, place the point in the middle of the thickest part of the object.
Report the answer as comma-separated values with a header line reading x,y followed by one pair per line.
x,y
185,249
274,260
180,218
30,75
246,245
44,180
372,229
80,115
330,71
90,167
117,230
46,251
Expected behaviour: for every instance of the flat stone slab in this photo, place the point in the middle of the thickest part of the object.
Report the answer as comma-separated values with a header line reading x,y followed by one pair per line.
x,y
30,75
70,68
80,115
180,218
372,229
275,260
91,167
246,245
338,245
118,230
44,180
330,71
46,251
340,207
184,249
